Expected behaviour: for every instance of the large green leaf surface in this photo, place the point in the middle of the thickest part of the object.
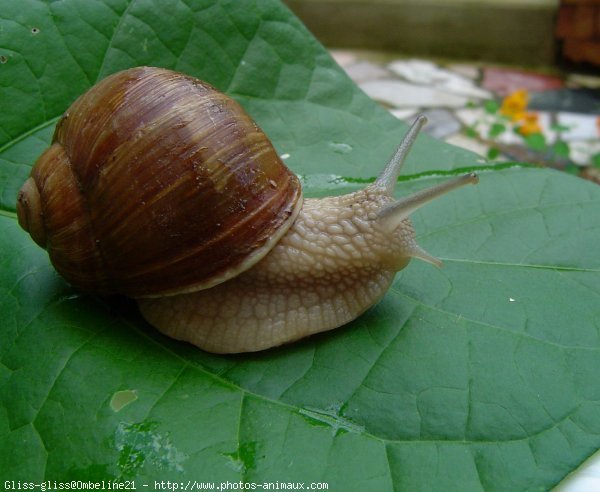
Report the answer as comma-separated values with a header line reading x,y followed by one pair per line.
x,y
481,375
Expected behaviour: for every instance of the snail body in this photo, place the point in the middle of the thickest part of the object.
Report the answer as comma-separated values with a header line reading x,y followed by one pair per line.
x,y
159,187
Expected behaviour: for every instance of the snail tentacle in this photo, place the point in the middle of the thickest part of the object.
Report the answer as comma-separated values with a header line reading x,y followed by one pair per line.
x,y
389,175
393,214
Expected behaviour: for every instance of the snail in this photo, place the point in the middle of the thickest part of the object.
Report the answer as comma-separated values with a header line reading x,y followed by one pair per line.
x,y
161,188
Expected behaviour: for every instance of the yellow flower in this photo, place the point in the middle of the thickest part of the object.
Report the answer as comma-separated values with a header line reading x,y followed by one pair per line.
x,y
514,104
530,124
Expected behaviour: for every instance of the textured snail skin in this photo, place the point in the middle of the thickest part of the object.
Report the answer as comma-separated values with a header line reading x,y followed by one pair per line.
x,y
334,263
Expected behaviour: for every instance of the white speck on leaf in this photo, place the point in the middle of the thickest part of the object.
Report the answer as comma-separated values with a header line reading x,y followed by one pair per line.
x,y
140,444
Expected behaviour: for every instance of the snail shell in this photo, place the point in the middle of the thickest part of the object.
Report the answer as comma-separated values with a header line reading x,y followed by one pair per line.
x,y
156,183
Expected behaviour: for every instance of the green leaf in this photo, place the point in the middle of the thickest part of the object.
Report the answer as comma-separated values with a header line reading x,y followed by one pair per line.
x,y
596,160
478,376
491,106
471,131
557,127
561,149
497,129
535,141
493,153
572,169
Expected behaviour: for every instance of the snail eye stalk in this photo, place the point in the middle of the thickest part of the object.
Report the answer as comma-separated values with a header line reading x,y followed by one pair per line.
x,y
393,214
389,176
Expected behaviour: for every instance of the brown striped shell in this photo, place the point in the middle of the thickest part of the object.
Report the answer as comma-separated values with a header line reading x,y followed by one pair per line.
x,y
156,183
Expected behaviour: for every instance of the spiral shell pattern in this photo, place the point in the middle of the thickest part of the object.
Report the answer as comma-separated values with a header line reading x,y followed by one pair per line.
x,y
156,184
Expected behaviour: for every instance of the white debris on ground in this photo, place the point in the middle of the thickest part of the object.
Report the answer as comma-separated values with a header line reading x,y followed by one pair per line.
x,y
473,106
